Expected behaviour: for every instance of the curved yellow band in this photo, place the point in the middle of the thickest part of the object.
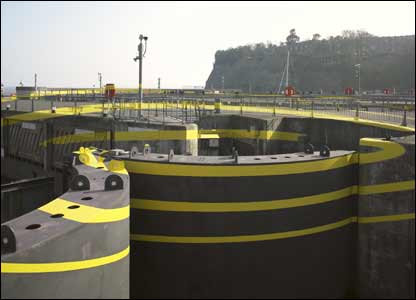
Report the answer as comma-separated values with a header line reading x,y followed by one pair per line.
x,y
84,213
179,206
387,187
241,206
268,236
93,108
62,266
174,169
157,135
389,150
390,218
240,238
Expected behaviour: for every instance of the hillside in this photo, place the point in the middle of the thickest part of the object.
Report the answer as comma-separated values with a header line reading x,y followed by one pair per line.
x,y
386,62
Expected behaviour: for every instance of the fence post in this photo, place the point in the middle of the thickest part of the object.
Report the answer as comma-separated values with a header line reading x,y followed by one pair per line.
x,y
274,106
404,122
241,106
312,107
357,114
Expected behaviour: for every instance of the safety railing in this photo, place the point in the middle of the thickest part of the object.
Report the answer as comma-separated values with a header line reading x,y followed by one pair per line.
x,y
191,108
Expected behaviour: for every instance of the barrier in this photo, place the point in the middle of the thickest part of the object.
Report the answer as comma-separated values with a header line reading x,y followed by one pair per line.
x,y
74,246
387,200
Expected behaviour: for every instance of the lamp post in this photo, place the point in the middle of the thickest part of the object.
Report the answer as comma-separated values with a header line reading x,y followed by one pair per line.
x,y
100,79
140,57
358,74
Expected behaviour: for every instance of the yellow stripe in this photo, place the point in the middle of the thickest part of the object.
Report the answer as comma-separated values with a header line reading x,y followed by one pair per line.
x,y
85,214
8,99
254,134
387,187
78,138
62,266
91,108
156,135
173,169
240,238
268,236
390,218
317,114
389,150
178,206
241,206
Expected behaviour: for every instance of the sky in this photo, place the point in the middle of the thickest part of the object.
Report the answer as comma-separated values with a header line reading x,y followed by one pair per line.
x,y
68,43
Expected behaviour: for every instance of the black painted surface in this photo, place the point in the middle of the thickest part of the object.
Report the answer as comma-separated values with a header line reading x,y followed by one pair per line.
x,y
314,266
240,223
241,189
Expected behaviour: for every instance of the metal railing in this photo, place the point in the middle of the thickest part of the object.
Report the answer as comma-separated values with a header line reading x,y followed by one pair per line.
x,y
185,108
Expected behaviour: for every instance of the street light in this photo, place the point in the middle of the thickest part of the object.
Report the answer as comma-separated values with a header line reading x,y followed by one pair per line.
x,y
140,59
100,79
358,66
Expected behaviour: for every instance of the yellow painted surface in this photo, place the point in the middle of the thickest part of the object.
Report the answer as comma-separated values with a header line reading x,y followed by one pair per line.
x,y
239,238
388,150
241,206
175,169
63,266
268,236
180,206
85,213
94,108
387,187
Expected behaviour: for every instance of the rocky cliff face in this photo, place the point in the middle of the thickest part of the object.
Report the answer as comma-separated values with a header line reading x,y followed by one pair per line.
x,y
385,62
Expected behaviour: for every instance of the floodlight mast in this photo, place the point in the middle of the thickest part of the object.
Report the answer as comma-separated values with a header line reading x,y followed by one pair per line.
x,y
140,57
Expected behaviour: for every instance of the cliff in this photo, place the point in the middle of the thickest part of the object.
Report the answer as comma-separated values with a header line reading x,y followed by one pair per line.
x,y
386,62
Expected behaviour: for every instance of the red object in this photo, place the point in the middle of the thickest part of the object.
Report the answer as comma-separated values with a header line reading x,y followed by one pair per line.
x,y
289,91
386,91
348,91
110,90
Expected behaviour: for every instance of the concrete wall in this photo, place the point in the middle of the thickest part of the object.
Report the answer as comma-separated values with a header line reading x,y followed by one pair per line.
x,y
252,125
27,139
74,247
187,245
21,197
337,134
363,257
386,248
179,146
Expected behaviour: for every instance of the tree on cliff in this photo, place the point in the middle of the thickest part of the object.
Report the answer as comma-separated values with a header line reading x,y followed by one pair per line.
x,y
326,64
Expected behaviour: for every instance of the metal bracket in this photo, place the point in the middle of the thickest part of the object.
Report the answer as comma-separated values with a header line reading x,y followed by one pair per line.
x,y
146,149
8,240
171,154
113,182
309,149
235,156
134,151
325,151
80,183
